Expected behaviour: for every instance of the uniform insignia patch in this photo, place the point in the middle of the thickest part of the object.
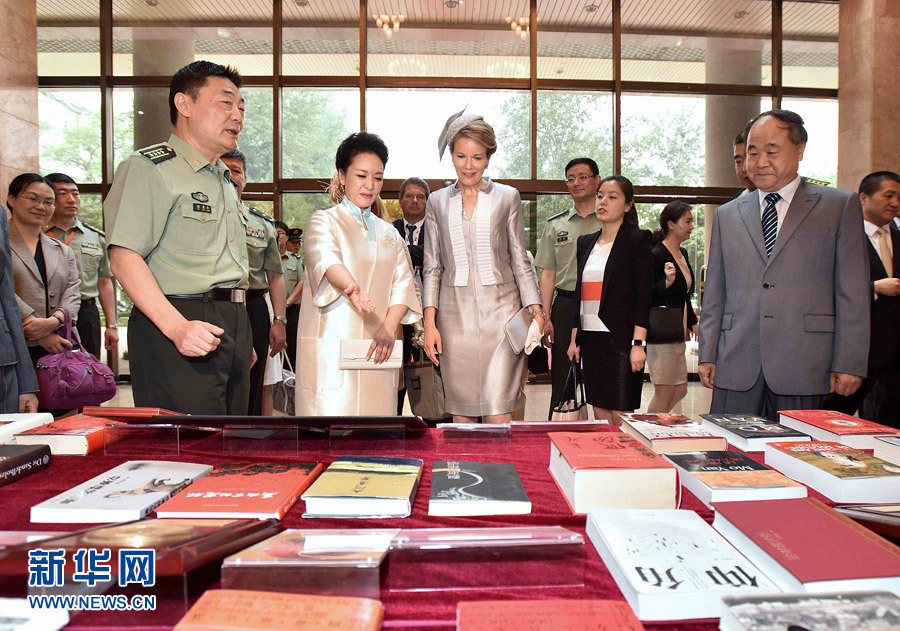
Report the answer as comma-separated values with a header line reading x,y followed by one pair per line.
x,y
256,233
157,154
89,246
200,197
202,208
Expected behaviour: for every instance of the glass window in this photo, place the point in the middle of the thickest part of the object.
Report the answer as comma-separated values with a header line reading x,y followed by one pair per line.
x,y
256,138
70,133
68,38
140,119
158,38
691,41
320,38
430,39
573,125
810,48
297,208
575,40
820,117
314,122
410,122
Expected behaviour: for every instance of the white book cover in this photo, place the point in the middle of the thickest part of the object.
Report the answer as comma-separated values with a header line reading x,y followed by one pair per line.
x,y
16,614
124,493
671,564
12,424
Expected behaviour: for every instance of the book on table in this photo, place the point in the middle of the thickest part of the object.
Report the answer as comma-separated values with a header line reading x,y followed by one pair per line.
x,y
124,493
805,546
840,473
862,611
836,427
609,469
730,476
748,432
12,424
883,519
18,461
259,490
888,448
671,564
17,614
668,433
546,615
76,435
464,488
364,486
246,610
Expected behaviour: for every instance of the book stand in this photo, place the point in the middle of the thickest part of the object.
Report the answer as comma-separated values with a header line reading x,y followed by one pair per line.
x,y
143,440
276,440
388,439
461,439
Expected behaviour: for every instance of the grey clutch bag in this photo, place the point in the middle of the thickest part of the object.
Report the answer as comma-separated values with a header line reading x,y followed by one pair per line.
x,y
517,330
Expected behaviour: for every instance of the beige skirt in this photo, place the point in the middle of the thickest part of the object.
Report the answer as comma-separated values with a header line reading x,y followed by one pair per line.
x,y
667,364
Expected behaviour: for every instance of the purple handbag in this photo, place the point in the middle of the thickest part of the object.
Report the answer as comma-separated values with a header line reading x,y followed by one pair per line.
x,y
73,378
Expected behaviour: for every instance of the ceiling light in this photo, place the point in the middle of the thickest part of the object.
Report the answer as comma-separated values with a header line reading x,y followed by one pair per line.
x,y
301,3
224,32
452,4
151,3
741,14
591,8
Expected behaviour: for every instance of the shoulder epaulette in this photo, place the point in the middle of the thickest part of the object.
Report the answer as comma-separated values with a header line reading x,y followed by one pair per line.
x,y
260,214
97,230
158,153
557,215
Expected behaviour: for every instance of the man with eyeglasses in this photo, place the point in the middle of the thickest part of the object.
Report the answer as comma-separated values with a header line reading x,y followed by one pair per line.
x,y
556,260
89,246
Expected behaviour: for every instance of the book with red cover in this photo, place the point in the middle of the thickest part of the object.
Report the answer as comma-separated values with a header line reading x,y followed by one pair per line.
x,y
546,615
610,470
803,545
260,490
836,426
76,435
127,414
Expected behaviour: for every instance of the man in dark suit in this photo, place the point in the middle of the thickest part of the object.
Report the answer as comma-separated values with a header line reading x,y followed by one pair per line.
x,y
414,194
785,315
879,194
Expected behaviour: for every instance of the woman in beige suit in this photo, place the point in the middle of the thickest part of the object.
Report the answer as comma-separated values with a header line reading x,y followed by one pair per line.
x,y
477,276
44,269
359,286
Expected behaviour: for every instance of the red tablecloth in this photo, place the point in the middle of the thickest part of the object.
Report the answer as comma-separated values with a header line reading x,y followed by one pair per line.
x,y
529,452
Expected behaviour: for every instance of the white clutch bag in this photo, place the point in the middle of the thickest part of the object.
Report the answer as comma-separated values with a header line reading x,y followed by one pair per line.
x,y
353,356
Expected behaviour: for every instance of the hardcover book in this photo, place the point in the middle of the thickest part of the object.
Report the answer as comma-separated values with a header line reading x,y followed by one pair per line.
x,y
364,486
476,488
671,564
888,448
259,490
612,470
836,427
730,476
840,473
127,414
748,432
124,493
245,610
18,461
667,433
546,615
76,435
883,519
12,424
864,611
805,546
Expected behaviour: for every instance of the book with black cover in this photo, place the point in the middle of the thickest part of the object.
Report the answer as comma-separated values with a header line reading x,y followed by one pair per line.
x,y
748,432
476,488
18,461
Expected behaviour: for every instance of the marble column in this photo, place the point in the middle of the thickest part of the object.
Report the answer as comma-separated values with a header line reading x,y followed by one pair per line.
x,y
156,57
869,100
19,149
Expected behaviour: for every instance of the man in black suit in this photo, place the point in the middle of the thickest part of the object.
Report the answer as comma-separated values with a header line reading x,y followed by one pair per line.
x,y
414,194
879,195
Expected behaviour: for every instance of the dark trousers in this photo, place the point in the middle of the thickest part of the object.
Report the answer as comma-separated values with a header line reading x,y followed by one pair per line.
x,y
217,383
88,325
293,321
410,353
258,313
561,314
876,400
761,401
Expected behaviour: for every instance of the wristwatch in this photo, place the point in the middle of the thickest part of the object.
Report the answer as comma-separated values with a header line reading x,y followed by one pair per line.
x,y
282,319
638,342
112,325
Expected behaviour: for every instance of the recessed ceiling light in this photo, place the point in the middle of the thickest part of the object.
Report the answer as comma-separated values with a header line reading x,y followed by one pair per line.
x,y
452,4
741,14
591,8
301,3
151,3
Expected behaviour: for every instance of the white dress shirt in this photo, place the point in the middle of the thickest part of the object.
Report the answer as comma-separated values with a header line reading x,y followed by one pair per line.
x,y
782,205
417,227
871,229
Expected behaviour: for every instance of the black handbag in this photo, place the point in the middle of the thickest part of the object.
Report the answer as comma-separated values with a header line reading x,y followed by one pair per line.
x,y
572,405
666,325
538,361
425,389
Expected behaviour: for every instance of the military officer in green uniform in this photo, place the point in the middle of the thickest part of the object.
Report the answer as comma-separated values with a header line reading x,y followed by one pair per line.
x,y
293,286
266,277
89,246
556,260
177,245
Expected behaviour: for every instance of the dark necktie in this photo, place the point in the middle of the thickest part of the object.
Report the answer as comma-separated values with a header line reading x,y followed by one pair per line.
x,y
770,222
409,236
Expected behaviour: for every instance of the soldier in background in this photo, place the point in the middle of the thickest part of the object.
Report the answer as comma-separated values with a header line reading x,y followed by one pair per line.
x,y
293,286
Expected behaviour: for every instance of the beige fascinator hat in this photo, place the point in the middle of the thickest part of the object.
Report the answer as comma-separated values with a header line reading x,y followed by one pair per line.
x,y
451,128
